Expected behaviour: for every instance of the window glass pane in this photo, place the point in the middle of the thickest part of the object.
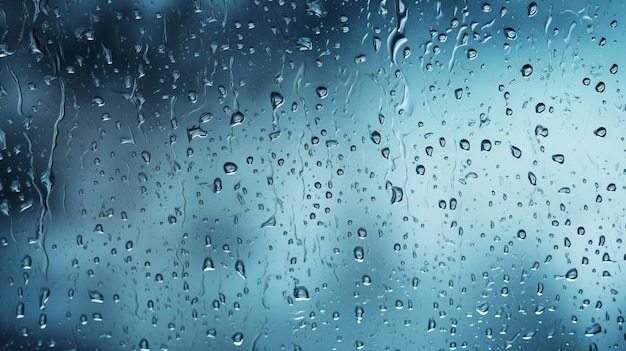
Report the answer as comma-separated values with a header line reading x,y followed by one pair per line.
x,y
312,175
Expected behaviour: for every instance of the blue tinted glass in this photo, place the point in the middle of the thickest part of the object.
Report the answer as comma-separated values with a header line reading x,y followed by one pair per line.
x,y
312,175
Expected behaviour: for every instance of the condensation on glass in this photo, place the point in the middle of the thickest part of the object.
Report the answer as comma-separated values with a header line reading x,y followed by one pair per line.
x,y
312,175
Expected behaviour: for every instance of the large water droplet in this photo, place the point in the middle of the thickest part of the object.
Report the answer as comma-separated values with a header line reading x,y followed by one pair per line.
x,y
240,268
526,70
96,296
237,338
601,132
300,293
230,168
532,9
276,99
359,254
510,33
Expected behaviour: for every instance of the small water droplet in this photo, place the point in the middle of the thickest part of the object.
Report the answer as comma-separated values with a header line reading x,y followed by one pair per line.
x,y
145,155
510,33
572,274
472,54
96,296
240,268
375,137
600,87
237,119
230,168
237,338
614,69
208,265
601,132
593,330
485,145
276,99
526,70
464,144
558,158
359,254
532,9
300,293
431,325
532,178
97,101
540,107
515,151
321,92
458,93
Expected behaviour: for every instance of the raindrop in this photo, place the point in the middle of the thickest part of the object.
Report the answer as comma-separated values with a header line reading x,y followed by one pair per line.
x,y
208,265
236,119
532,9
420,169
485,145
237,338
521,234
586,81
96,296
472,54
601,132
600,87
97,101
593,330
613,69
145,155
431,325
276,99
240,268
321,92
359,254
192,96
558,158
572,274
532,178
510,33
464,144
540,107
458,93
217,185
515,151
526,70
300,293
230,168
375,137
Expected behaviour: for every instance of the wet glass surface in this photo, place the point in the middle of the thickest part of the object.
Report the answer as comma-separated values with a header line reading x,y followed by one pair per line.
x,y
312,175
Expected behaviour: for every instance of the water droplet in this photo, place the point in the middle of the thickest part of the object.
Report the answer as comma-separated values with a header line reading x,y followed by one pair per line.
x,y
601,132
458,93
97,101
240,268
192,96
145,155
483,308
205,117
593,330
485,145
321,92
510,33
143,345
532,178
129,245
359,254
276,99
376,42
26,262
300,293
431,325
472,54
375,137
541,131
359,312
420,169
572,274
532,9
19,310
558,158
236,119
540,107
208,265
464,144
217,185
515,151
196,132
614,69
96,296
526,70
44,295
586,81
237,338
600,87
230,168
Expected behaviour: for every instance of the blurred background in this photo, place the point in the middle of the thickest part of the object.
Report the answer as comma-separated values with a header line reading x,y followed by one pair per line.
x,y
306,175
